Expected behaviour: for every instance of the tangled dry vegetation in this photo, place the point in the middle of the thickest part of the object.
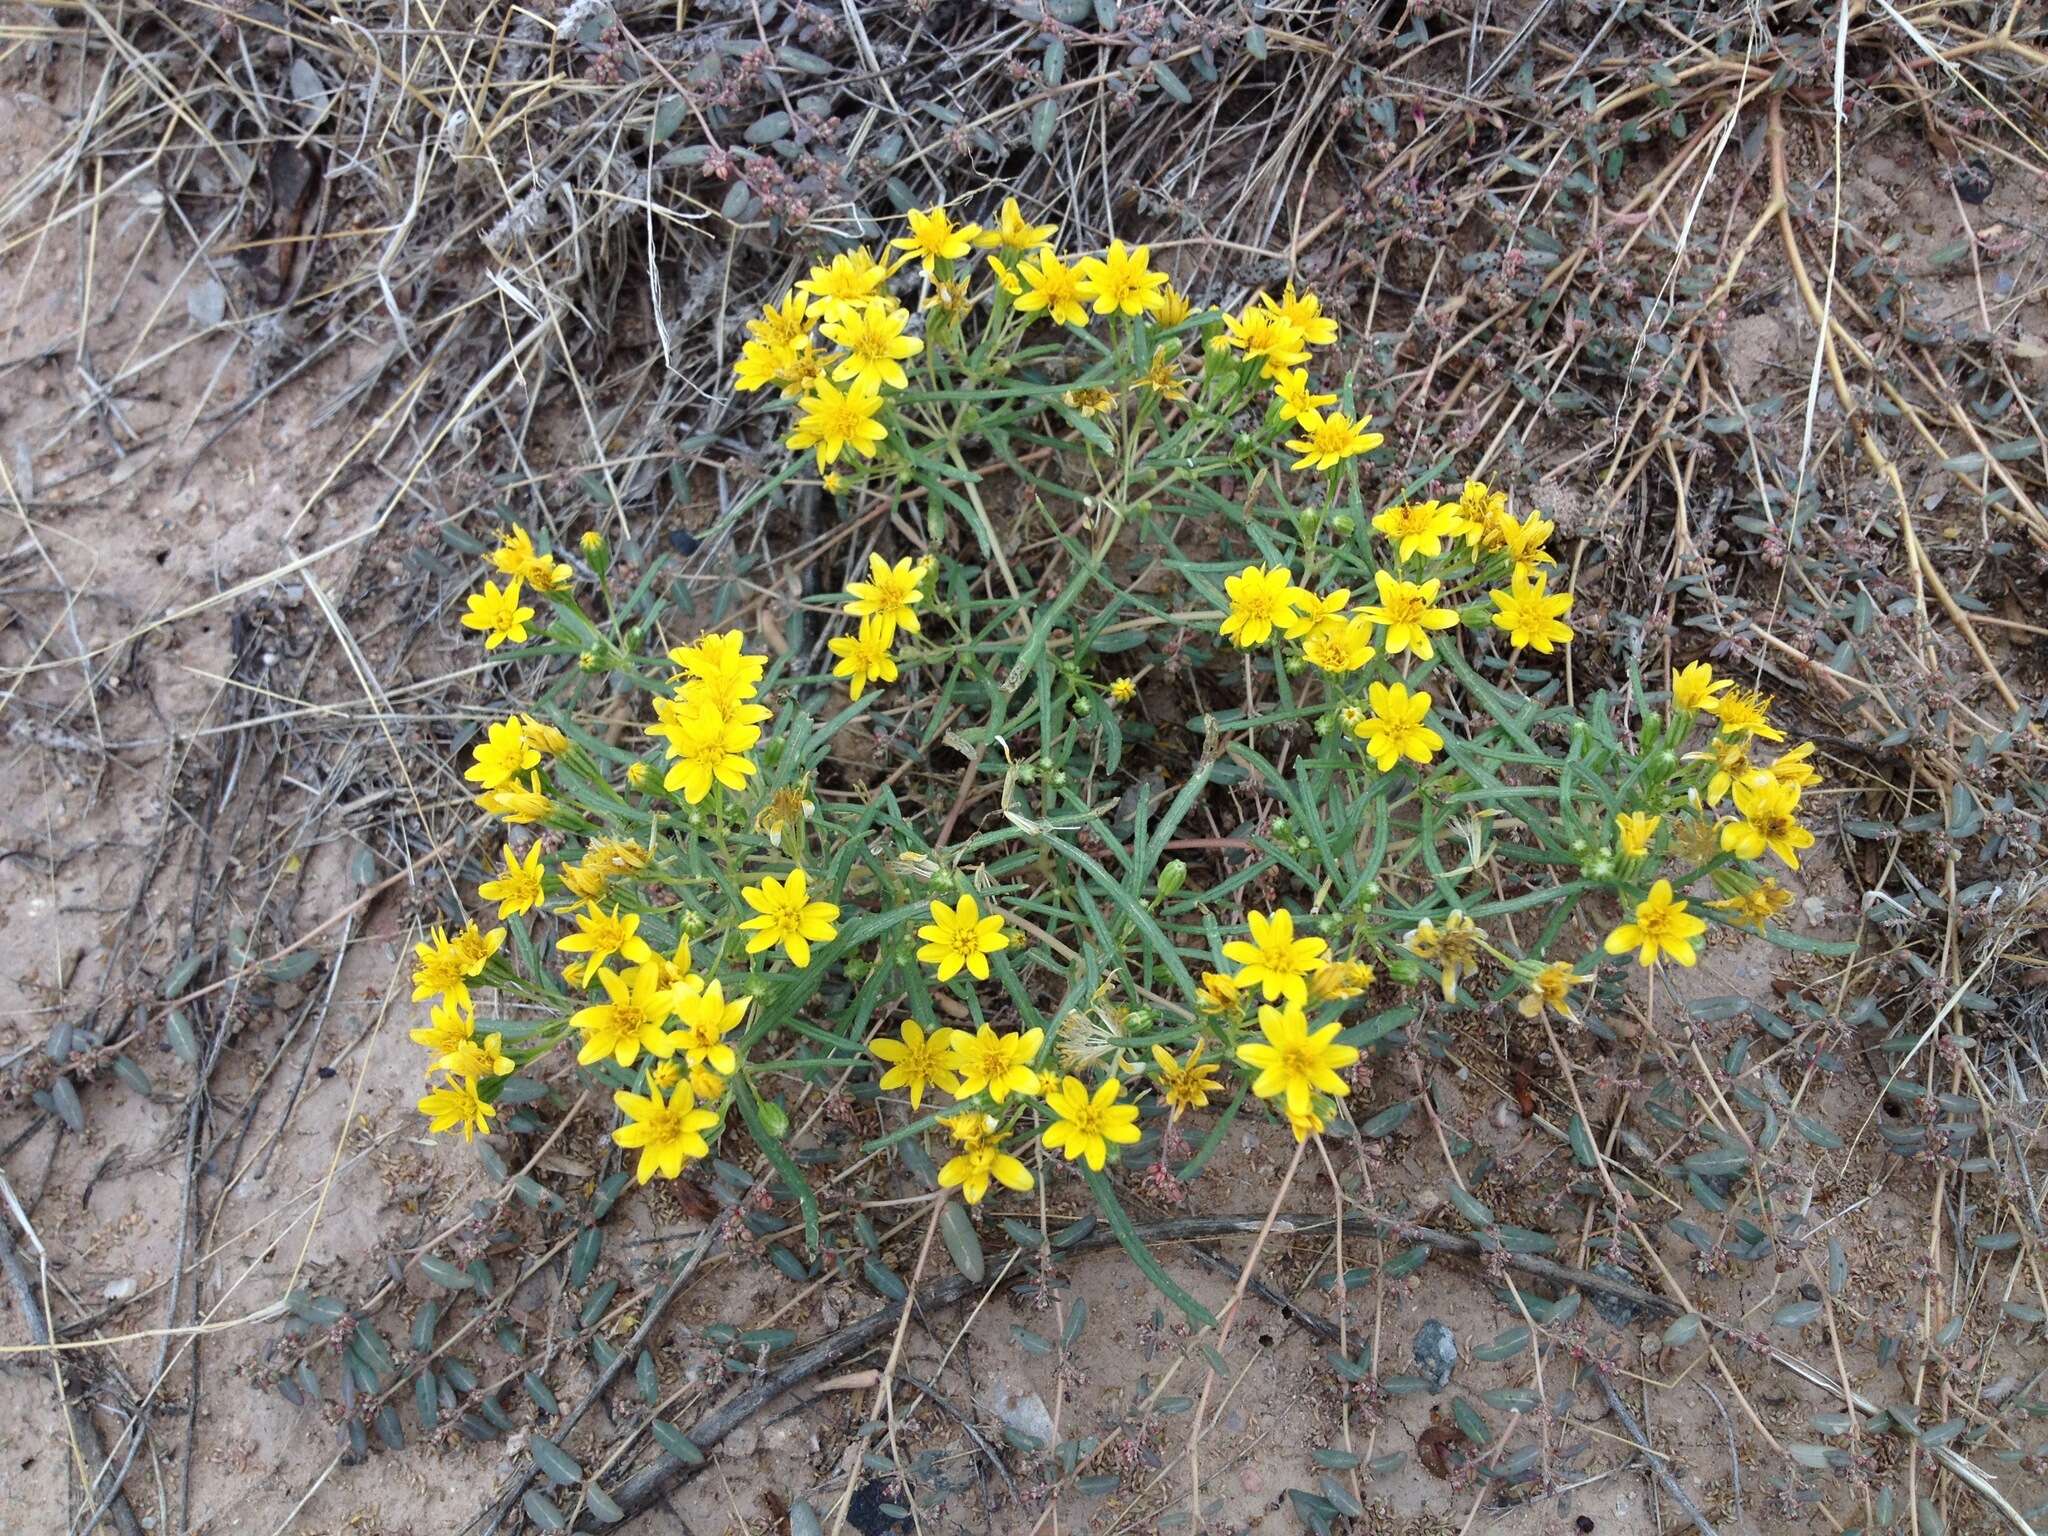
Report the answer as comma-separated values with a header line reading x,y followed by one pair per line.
x,y
1754,303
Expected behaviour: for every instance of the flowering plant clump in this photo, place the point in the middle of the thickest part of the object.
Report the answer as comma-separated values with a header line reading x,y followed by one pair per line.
x,y
985,952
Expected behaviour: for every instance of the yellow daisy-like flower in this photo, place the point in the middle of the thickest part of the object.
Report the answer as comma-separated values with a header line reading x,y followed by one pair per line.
x,y
1340,981
1005,276
864,657
477,1059
1530,614
1174,308
518,889
1295,394
1551,988
450,1025
1745,712
1123,690
832,421
875,343
706,1016
1395,729
788,917
443,971
1303,311
1768,822
1185,1085
961,936
1013,232
1418,527
917,1061
1633,830
890,595
1453,949
545,739
457,1103
1086,1125
1265,336
600,934
1407,611
667,1132
998,1065
503,754
850,278
498,614
1218,994
1261,599
980,1162
1121,281
630,1019
1311,613
519,805
1694,686
1755,905
1730,757
1662,926
1329,438
1274,959
1793,769
784,322
1293,1061
1340,647
786,365
1053,289
934,238
516,556
704,750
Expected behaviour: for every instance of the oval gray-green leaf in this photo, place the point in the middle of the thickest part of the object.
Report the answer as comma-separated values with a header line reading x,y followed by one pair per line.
x,y
1797,1315
963,1243
541,1510
556,1464
676,1443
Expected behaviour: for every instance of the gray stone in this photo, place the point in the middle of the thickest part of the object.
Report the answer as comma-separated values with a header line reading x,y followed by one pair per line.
x,y
1018,1407
1436,1354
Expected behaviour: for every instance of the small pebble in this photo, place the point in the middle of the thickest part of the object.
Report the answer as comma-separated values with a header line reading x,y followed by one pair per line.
x,y
1436,1354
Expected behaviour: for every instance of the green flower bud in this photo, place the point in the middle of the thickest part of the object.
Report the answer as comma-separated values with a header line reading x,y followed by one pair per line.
x,y
774,1119
1172,877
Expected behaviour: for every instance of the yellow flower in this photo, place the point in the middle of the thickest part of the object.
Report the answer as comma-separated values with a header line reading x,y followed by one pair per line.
x,y
1173,308
1730,757
1273,959
630,1019
1408,611
476,947
1162,377
1745,712
518,889
833,421
1185,1085
961,936
934,237
1530,614
516,556
706,750
872,335
1123,690
1551,988
476,1059
787,810
546,739
1793,769
1264,335
669,1132
980,1161
1327,440
1311,613
1052,288
600,934
503,754
998,1065
1767,822
1218,994
719,659
1340,980
1524,541
1304,1122
917,1061
1121,281
640,776
1006,278
1696,839
1013,232
706,1018
1292,1062
863,657
1341,647
1418,527
1753,907
457,1103
1303,311
1482,509
450,1025
1292,389
706,1084
788,917
787,365
1261,598
519,805
1453,949
443,971
1634,829
1662,926
498,615
1694,686
1089,400
890,595
784,322
1395,728
1085,1125
850,278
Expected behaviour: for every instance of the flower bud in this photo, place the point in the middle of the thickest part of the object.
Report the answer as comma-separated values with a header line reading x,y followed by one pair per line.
x,y
1172,878
774,1119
